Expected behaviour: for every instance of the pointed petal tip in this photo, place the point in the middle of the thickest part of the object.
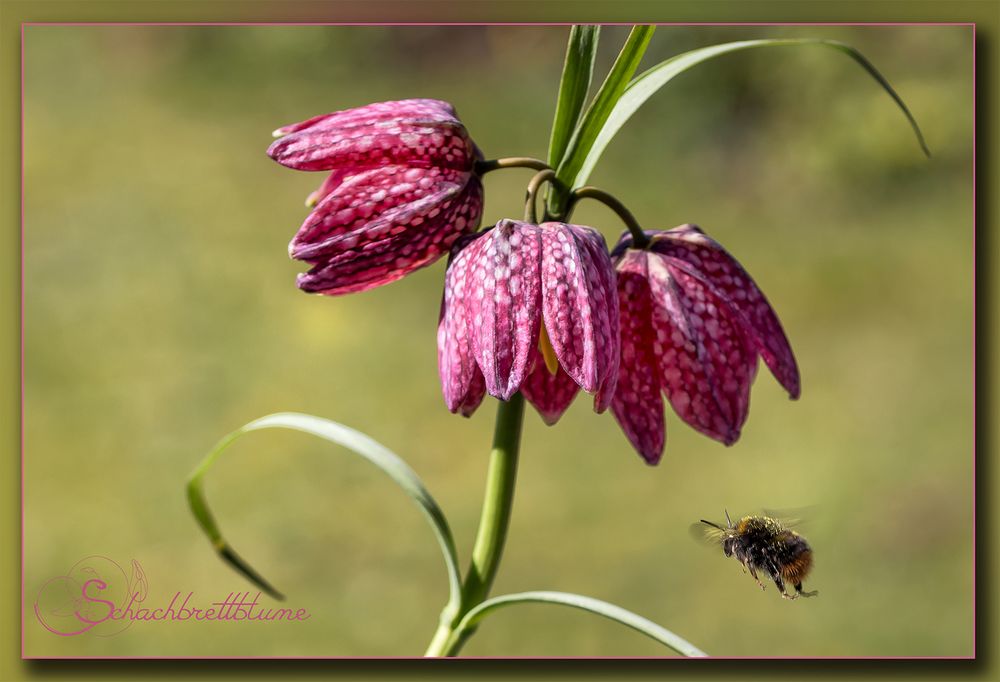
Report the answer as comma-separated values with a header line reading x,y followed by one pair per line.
x,y
467,409
795,390
513,386
651,458
274,149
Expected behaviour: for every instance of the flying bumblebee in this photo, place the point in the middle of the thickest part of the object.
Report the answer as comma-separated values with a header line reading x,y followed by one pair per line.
x,y
762,543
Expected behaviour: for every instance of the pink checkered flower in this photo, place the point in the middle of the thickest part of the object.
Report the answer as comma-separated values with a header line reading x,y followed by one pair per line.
x,y
507,287
402,188
693,323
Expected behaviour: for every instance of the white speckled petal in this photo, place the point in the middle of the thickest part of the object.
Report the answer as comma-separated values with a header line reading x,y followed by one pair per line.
x,y
390,246
370,114
702,358
505,304
474,396
456,363
703,257
606,299
551,394
637,403
380,204
410,132
576,303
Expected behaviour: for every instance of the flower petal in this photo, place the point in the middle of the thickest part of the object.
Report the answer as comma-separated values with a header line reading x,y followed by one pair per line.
x,y
380,204
369,114
372,262
331,183
551,394
504,307
729,354
474,396
377,135
577,303
637,403
702,384
608,347
456,363
705,258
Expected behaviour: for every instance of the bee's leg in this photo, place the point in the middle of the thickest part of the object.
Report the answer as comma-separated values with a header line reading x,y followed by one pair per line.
x,y
753,572
781,588
798,588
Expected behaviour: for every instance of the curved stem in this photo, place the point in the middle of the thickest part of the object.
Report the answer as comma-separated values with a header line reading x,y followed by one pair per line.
x,y
483,167
545,176
493,523
639,238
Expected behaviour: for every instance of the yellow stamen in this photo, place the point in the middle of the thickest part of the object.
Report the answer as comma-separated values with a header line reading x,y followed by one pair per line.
x,y
548,352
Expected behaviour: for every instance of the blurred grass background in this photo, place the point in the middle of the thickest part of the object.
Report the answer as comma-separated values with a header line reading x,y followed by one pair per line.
x,y
161,313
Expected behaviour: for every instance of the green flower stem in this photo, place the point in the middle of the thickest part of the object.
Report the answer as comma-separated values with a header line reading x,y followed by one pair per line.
x,y
495,519
537,180
488,548
639,238
483,167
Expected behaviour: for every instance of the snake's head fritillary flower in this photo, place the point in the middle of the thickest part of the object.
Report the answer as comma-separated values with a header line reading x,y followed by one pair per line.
x,y
693,324
516,293
402,188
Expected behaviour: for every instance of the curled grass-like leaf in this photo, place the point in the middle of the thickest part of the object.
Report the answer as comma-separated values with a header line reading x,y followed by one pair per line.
x,y
355,441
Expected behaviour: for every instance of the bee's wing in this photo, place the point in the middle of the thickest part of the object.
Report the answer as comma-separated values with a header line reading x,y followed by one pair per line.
x,y
793,517
706,534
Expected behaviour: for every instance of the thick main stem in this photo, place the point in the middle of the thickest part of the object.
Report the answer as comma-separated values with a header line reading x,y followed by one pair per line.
x,y
501,476
493,523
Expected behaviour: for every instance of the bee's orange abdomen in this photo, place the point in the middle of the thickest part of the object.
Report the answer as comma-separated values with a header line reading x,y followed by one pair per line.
x,y
796,570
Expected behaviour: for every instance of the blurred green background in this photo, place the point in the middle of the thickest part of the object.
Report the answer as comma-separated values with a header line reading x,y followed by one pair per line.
x,y
161,313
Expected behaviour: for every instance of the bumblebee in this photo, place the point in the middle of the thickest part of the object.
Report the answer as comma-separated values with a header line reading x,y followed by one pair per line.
x,y
762,543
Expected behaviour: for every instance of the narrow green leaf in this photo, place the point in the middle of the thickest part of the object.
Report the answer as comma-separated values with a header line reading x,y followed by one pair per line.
x,y
578,70
355,441
643,87
603,103
577,601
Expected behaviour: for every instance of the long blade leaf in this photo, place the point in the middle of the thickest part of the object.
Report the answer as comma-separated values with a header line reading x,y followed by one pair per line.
x,y
356,442
577,601
643,87
577,73
603,103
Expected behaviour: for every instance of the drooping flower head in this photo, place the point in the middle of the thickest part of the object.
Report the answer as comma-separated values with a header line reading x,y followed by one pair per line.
x,y
516,293
401,190
693,323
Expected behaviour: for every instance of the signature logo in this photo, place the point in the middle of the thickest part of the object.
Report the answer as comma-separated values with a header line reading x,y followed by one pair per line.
x,y
88,597
100,597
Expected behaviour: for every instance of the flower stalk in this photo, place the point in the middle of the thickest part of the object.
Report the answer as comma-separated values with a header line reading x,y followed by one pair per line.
x,y
493,523
546,175
639,238
483,167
